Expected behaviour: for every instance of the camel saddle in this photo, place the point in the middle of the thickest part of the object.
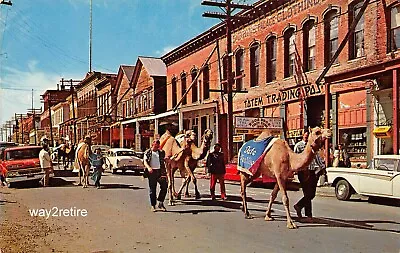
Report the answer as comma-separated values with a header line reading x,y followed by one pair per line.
x,y
252,153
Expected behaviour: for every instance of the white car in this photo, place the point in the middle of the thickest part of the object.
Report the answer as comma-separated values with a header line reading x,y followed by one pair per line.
x,y
381,179
123,159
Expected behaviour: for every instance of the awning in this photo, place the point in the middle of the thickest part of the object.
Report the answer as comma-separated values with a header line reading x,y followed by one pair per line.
x,y
383,132
150,117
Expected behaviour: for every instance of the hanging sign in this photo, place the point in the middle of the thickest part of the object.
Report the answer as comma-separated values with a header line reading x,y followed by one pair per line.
x,y
258,123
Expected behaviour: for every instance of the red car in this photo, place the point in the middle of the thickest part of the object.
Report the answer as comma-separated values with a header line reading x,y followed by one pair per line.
x,y
233,175
19,164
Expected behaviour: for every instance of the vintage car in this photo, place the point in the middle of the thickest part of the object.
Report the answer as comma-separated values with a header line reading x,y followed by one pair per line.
x,y
104,148
123,159
233,175
380,179
21,164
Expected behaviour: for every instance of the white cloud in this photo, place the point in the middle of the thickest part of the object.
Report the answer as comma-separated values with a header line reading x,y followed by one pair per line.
x,y
17,84
164,51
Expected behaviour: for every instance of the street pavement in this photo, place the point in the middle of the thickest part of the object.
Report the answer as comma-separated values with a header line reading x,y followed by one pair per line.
x,y
119,220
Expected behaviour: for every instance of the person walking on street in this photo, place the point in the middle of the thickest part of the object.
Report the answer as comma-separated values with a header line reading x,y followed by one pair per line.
x,y
45,163
216,167
308,180
156,173
97,160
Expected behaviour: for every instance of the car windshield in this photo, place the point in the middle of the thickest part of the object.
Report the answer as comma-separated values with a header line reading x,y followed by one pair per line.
x,y
125,153
22,154
385,164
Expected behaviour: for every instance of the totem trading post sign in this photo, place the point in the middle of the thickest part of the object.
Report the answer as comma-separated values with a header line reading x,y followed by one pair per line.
x,y
282,96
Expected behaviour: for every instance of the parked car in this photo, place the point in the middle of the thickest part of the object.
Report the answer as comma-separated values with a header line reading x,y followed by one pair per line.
x,y
233,175
123,159
104,148
21,164
380,179
6,144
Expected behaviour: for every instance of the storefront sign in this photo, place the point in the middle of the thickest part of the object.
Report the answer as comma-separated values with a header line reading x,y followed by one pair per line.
x,y
283,96
238,138
294,133
249,131
138,142
258,123
279,16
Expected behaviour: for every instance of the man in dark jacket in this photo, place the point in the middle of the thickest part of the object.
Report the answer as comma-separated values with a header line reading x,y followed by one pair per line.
x,y
216,167
156,172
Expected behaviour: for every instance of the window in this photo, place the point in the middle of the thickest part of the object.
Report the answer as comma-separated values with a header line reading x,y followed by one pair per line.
x,y
357,40
331,35
144,99
150,97
183,87
239,69
271,59
194,86
254,64
206,82
289,51
394,28
174,92
309,45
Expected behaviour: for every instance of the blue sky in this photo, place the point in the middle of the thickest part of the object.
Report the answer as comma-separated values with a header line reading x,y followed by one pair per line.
x,y
42,41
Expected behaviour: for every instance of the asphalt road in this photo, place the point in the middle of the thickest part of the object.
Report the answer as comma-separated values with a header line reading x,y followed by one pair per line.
x,y
119,220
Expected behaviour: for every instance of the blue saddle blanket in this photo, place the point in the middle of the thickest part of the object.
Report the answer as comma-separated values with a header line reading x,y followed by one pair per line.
x,y
252,153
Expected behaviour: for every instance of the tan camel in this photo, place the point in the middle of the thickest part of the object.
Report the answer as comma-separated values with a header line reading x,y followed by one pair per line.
x,y
82,161
183,154
281,163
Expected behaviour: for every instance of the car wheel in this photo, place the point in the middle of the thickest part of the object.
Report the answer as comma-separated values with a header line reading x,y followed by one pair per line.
x,y
123,171
9,185
343,190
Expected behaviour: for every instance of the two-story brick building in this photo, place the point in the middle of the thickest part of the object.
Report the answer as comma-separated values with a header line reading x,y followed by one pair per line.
x,y
279,53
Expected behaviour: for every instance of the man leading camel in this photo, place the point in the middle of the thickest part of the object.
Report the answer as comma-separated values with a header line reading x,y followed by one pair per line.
x,y
308,179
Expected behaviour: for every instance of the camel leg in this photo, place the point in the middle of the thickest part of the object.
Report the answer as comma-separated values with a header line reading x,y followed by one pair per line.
x,y
244,180
184,182
285,201
272,198
170,185
80,172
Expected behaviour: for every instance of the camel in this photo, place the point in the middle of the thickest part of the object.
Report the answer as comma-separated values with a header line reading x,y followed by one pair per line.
x,y
281,163
82,161
183,154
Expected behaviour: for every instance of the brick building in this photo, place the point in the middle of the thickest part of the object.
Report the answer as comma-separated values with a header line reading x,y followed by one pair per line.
x,y
277,57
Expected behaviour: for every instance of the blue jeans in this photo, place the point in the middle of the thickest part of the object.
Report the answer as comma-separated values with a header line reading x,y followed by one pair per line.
x,y
153,178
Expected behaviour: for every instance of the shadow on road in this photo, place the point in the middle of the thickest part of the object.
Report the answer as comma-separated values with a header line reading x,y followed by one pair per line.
x,y
120,186
197,211
378,201
3,202
357,224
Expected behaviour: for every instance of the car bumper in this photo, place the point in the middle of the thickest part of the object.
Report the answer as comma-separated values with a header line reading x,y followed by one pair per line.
x,y
23,178
131,167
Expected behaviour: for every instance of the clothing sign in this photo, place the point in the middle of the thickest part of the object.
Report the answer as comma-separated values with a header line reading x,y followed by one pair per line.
x,y
258,123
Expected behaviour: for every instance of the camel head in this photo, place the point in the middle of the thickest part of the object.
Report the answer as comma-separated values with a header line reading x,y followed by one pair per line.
x,y
207,137
318,136
190,135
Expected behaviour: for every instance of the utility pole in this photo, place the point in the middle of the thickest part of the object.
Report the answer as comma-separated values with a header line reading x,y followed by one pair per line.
x,y
90,37
228,6
71,88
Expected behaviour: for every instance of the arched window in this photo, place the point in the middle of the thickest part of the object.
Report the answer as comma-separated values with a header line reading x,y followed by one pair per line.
x,y
183,88
254,64
394,41
239,59
290,52
331,38
174,93
195,96
356,42
271,59
206,82
309,45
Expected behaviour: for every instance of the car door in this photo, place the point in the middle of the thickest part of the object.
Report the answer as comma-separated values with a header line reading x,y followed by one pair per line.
x,y
379,181
396,180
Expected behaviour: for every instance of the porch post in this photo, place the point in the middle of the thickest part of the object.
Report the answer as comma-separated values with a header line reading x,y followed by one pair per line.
x,y
121,135
180,121
395,112
327,125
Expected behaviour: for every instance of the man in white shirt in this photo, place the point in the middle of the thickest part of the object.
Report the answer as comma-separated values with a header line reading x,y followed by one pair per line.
x,y
156,173
45,163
